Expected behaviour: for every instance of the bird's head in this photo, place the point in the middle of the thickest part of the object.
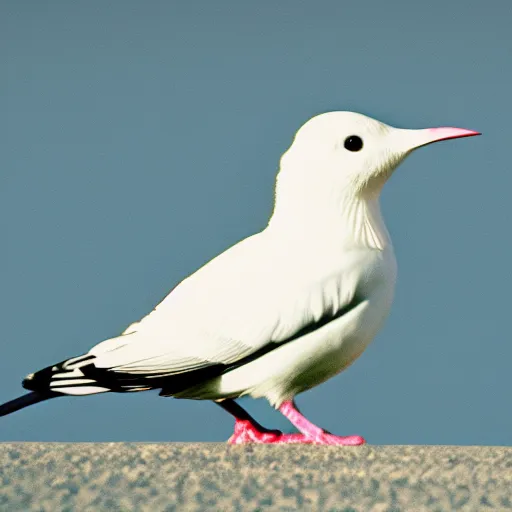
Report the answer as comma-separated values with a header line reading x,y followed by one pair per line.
x,y
346,152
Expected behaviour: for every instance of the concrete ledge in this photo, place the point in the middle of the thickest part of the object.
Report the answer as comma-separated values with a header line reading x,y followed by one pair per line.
x,y
200,476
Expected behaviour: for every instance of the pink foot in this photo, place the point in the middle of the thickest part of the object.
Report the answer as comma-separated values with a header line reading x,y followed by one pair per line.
x,y
246,433
311,431
330,439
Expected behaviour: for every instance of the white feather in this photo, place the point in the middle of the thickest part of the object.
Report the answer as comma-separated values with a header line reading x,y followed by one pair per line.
x,y
71,382
325,243
83,390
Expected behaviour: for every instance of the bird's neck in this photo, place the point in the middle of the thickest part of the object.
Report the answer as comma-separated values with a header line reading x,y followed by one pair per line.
x,y
342,219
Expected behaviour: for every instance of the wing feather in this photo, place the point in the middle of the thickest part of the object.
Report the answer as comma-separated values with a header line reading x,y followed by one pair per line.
x,y
246,300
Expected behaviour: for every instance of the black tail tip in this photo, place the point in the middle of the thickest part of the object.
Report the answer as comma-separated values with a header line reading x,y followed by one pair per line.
x,y
28,382
39,381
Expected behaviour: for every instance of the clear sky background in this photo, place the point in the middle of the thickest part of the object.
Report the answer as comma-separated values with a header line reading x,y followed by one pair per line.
x,y
141,138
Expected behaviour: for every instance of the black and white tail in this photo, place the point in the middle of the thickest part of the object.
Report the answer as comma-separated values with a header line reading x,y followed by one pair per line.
x,y
65,378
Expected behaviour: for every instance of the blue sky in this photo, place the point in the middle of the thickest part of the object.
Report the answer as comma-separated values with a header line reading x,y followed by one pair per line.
x,y
140,139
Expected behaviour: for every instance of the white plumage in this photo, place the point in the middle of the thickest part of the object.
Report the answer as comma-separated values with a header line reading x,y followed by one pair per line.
x,y
325,242
284,309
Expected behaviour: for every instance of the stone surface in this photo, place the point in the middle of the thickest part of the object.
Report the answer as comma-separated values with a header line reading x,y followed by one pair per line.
x,y
196,477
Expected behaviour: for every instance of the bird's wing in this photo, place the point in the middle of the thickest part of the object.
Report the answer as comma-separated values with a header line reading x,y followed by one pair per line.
x,y
248,298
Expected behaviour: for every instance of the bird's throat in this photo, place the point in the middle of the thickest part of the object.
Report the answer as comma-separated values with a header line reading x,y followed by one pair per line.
x,y
350,221
363,223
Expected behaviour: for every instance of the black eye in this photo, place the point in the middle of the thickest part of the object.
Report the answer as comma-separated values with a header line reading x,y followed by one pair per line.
x,y
353,143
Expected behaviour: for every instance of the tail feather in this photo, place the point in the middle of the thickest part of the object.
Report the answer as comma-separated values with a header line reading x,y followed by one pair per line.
x,y
25,400
64,378
75,376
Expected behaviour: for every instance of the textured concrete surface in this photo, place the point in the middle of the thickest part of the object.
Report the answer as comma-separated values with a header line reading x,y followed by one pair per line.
x,y
195,477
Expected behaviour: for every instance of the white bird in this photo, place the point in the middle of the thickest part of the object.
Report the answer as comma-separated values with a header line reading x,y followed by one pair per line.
x,y
281,311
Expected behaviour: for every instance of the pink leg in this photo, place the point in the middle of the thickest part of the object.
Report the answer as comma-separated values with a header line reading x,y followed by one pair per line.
x,y
315,434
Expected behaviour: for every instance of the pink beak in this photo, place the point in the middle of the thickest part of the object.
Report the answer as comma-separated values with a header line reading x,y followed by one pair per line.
x,y
412,139
446,133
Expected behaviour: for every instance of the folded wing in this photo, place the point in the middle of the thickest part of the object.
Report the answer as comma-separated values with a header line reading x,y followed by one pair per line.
x,y
243,303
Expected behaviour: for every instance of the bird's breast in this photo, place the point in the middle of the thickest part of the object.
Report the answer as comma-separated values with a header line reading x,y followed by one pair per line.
x,y
375,278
